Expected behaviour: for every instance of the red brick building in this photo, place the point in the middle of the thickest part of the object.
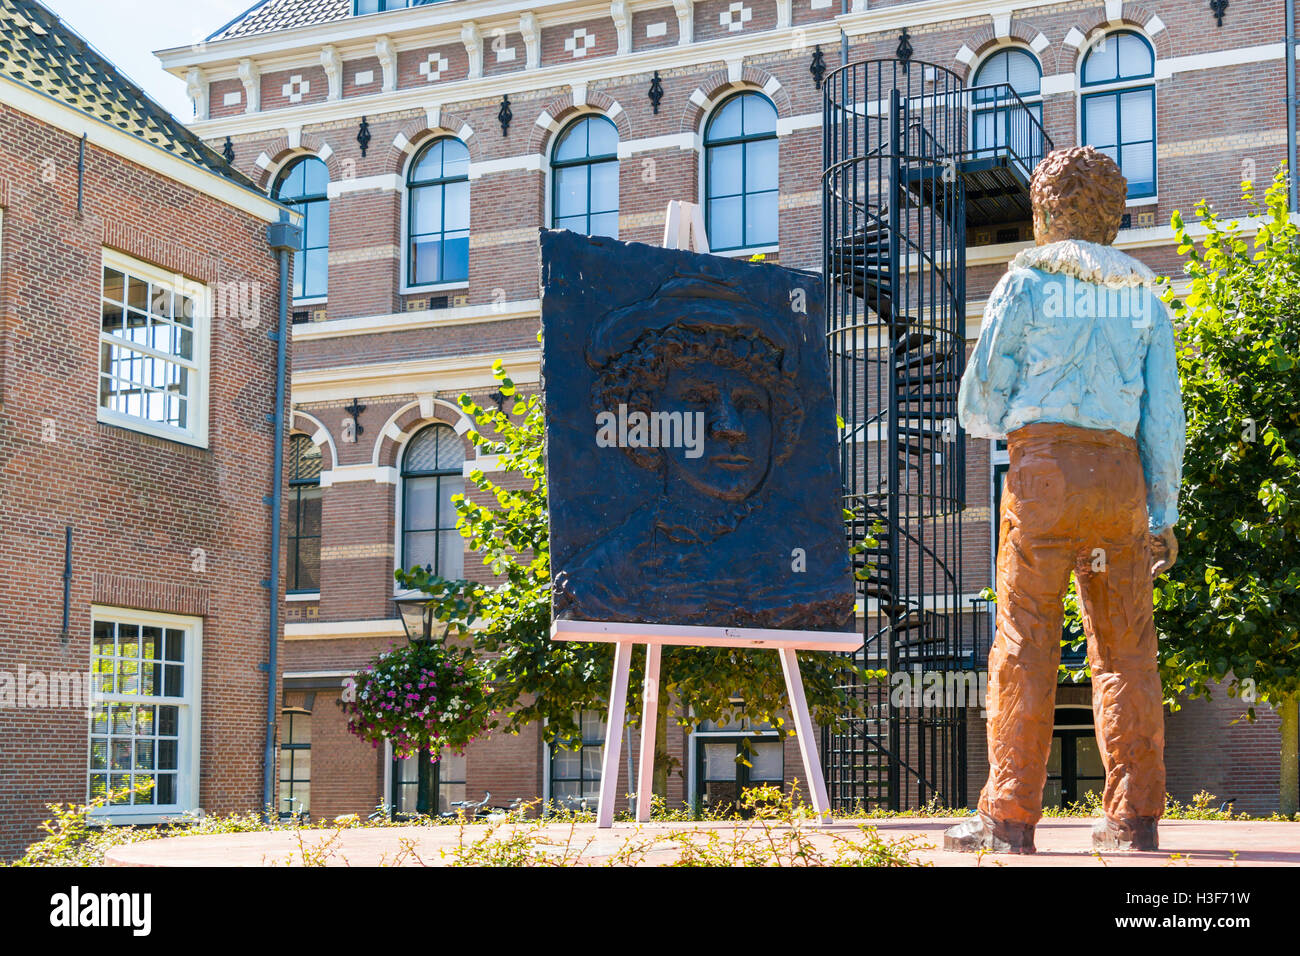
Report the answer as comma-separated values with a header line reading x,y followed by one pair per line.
x,y
426,144
137,291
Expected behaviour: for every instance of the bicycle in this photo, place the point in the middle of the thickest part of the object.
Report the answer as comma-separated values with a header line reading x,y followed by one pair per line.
x,y
479,809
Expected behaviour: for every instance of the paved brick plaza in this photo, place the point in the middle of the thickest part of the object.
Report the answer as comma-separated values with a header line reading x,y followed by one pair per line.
x,y
1061,842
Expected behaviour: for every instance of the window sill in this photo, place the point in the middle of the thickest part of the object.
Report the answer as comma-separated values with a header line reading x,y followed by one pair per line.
x,y
1142,201
433,289
303,303
748,251
302,596
107,416
113,817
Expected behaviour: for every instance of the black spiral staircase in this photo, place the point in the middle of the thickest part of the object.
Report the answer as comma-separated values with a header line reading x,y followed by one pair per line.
x,y
900,176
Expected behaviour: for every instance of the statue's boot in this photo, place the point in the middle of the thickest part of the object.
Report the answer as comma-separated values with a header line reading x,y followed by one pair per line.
x,y
1136,833
982,832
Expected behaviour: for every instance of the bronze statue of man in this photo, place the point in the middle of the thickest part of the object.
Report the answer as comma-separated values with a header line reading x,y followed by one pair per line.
x,y
1076,368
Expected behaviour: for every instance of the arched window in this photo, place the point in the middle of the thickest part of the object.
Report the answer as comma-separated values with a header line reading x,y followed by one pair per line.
x,y
998,122
303,186
437,215
1119,107
431,474
584,178
740,173
304,514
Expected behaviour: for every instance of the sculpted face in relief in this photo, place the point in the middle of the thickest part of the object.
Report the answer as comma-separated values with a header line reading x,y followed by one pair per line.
x,y
698,388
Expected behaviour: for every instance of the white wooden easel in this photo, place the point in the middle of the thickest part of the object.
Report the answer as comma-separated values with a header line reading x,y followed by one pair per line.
x,y
684,227
655,636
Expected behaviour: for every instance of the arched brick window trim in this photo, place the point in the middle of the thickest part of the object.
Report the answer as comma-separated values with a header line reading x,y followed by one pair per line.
x,y
1133,17
719,85
563,111
1023,34
408,420
305,424
281,154
415,134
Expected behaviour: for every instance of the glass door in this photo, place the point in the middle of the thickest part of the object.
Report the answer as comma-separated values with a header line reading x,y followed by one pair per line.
x,y
421,786
1073,767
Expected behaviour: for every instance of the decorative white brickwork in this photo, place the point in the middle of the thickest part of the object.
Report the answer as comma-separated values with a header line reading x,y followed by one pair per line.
x,y
736,16
296,88
580,42
432,68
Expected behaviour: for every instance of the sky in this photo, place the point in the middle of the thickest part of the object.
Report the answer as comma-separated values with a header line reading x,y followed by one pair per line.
x,y
128,31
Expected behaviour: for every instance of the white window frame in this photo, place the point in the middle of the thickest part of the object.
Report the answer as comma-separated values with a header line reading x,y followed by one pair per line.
x,y
404,245
1082,92
695,738
387,796
548,160
548,751
399,499
702,175
190,718
197,434
311,300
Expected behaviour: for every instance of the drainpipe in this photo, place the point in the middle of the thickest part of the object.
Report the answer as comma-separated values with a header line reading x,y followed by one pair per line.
x,y
284,239
1289,53
844,40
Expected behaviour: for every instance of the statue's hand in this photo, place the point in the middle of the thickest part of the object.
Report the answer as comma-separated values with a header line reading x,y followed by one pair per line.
x,y
1164,547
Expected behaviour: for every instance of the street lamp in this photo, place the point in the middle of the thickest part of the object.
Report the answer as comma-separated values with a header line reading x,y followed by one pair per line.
x,y
416,613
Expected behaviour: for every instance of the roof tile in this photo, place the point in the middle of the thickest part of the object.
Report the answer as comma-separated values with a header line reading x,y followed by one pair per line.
x,y
267,16
40,51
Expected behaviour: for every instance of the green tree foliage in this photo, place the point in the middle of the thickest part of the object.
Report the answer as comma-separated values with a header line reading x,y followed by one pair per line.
x,y
535,678
1230,608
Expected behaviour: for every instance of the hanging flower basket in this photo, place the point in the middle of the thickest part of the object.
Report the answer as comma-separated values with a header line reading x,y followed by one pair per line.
x,y
423,696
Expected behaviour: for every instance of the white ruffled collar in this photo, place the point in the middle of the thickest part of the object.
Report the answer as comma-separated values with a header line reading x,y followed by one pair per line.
x,y
1089,261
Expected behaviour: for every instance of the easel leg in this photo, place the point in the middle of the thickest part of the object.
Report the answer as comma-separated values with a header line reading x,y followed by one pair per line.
x,y
804,730
614,734
649,721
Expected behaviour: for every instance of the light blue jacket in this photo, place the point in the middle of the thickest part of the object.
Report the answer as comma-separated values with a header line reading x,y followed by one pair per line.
x,y
1075,333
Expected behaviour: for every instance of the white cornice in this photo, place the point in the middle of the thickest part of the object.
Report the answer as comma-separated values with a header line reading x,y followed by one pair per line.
x,y
491,87
333,630
893,18
454,373
729,49
437,19
58,114
441,22
423,319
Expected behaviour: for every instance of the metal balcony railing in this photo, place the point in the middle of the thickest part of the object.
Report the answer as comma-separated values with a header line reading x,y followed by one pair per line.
x,y
1004,125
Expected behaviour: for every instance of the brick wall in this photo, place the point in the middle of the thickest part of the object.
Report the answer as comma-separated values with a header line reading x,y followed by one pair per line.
x,y
138,505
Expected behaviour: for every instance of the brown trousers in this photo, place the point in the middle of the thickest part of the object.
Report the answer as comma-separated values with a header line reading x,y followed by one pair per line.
x,y
1075,500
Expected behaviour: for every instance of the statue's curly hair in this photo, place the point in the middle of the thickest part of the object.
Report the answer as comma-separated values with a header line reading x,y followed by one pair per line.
x,y
637,377
1078,193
